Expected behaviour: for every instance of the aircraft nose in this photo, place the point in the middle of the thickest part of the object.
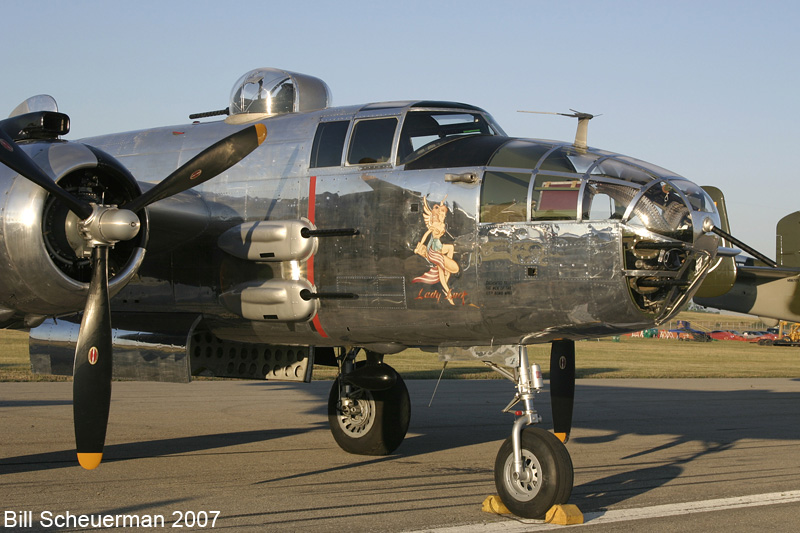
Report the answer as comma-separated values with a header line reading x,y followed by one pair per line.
x,y
668,259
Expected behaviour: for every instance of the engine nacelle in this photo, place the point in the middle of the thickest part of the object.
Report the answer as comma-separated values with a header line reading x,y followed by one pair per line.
x,y
42,275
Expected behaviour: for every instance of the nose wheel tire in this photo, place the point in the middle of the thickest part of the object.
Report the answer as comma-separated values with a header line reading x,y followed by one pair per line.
x,y
549,471
371,422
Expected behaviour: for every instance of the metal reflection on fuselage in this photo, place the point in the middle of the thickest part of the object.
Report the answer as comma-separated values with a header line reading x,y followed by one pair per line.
x,y
545,241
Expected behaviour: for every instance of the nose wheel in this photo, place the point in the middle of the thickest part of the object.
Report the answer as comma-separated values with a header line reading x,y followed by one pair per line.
x,y
533,470
545,480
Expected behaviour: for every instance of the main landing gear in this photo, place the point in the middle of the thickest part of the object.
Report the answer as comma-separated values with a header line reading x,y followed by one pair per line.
x,y
368,407
533,470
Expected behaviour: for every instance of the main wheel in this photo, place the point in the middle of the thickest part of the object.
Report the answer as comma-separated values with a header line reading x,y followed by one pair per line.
x,y
374,422
549,469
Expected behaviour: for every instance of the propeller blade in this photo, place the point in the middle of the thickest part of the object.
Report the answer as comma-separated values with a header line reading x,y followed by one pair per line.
x,y
17,160
562,386
209,163
91,388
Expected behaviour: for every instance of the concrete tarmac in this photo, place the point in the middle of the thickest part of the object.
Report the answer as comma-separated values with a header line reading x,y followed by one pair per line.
x,y
257,456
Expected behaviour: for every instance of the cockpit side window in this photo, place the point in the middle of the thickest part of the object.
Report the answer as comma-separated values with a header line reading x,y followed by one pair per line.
x,y
372,141
504,197
555,197
329,144
556,187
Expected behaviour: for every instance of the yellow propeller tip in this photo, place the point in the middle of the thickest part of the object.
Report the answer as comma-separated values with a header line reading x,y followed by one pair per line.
x,y
261,131
90,461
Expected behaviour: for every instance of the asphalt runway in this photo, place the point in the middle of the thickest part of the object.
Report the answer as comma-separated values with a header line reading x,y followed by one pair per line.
x,y
259,456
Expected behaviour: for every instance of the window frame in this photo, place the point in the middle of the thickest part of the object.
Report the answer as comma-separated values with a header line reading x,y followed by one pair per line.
x,y
353,138
314,156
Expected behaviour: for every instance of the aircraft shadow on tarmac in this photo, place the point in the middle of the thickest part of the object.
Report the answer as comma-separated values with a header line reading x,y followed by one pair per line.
x,y
714,419
33,403
143,449
605,492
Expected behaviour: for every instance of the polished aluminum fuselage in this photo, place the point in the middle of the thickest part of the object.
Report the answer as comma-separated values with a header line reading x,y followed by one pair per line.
x,y
516,282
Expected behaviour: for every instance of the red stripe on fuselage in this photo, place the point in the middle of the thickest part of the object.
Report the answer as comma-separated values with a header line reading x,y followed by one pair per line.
x,y
312,207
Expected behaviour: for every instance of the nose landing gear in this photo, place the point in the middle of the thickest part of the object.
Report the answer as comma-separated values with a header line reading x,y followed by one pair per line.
x,y
544,479
533,470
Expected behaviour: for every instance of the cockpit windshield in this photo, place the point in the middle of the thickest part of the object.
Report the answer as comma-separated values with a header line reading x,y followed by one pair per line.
x,y
425,130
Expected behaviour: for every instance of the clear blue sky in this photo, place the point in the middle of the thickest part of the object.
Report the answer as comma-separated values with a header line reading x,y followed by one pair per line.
x,y
708,89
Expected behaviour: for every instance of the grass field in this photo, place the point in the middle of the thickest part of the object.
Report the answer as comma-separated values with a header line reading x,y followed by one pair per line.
x,y
627,358
606,358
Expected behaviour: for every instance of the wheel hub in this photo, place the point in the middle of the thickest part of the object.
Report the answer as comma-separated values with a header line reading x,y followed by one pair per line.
x,y
526,486
357,415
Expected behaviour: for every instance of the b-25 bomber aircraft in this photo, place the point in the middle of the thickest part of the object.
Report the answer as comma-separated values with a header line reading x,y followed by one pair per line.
x,y
330,232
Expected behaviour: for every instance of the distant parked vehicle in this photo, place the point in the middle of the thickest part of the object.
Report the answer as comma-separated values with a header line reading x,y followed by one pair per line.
x,y
788,334
724,335
686,332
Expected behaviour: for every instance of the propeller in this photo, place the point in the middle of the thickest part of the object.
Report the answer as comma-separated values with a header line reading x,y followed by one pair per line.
x,y
91,386
18,161
101,227
562,386
209,163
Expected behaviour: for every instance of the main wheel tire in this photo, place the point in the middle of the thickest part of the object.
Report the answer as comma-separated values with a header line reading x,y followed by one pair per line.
x,y
381,423
550,467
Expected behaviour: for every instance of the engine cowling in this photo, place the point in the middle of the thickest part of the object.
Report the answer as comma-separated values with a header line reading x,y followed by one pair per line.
x,y
44,270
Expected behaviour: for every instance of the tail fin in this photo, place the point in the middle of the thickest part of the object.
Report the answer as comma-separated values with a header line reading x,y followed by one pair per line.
x,y
723,275
787,240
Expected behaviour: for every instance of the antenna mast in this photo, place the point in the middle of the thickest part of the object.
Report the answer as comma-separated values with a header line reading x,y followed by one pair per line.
x,y
583,125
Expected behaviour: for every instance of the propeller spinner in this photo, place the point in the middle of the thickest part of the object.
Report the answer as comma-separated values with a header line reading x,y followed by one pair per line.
x,y
100,227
